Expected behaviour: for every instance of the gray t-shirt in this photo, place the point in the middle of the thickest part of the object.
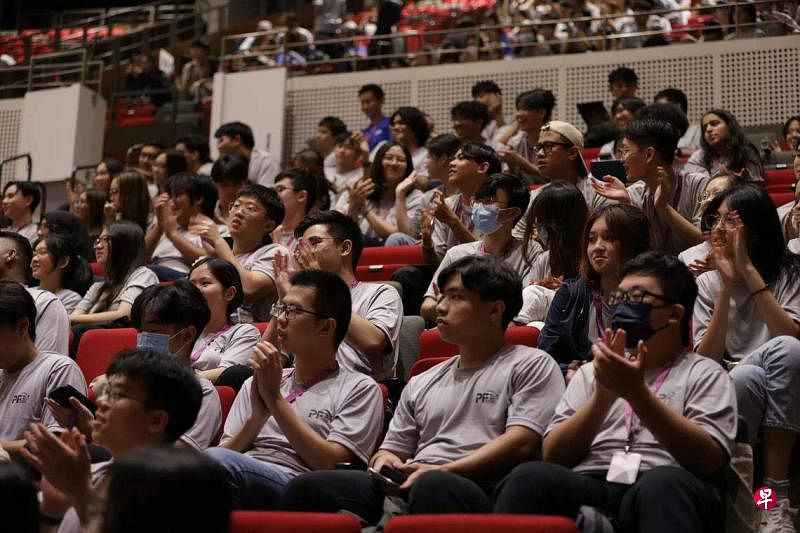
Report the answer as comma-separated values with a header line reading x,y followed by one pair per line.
x,y
260,261
442,236
208,420
345,408
380,305
70,299
698,251
52,322
139,280
263,168
447,413
697,388
22,393
30,231
747,329
386,211
167,254
695,164
513,257
687,203
230,347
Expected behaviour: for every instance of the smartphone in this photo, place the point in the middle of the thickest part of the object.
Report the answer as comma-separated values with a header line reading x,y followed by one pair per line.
x,y
388,477
613,167
62,395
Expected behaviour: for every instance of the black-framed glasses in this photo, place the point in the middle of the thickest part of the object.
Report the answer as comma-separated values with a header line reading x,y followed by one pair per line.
x,y
113,395
102,239
548,146
635,296
726,222
290,311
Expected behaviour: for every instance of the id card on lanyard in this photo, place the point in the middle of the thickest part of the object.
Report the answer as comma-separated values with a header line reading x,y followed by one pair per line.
x,y
624,467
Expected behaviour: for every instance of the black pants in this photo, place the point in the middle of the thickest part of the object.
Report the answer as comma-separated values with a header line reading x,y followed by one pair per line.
x,y
666,498
415,280
353,491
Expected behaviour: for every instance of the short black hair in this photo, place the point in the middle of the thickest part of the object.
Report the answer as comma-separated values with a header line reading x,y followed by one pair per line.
x,y
666,113
197,188
656,133
71,227
673,96
676,280
77,276
232,129
340,226
155,143
17,303
623,74
472,110
196,143
331,298
486,86
482,153
334,124
230,168
301,180
171,386
180,304
491,278
537,99
227,275
24,250
415,120
197,43
515,188
28,190
176,161
373,88
268,199
628,103
444,144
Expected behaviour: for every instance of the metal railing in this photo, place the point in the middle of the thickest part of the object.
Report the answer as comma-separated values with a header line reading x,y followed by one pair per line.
x,y
270,49
52,70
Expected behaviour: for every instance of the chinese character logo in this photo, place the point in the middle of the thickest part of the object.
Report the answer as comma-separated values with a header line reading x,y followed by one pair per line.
x,y
765,499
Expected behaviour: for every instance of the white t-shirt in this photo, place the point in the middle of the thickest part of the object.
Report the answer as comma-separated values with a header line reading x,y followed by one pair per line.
x,y
696,387
209,418
386,211
29,231
446,413
747,329
418,159
70,299
698,251
167,254
22,393
381,306
345,408
225,348
260,260
139,280
52,322
263,168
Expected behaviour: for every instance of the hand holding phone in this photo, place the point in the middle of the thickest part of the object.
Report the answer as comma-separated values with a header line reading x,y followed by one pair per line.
x,y
388,478
62,395
613,167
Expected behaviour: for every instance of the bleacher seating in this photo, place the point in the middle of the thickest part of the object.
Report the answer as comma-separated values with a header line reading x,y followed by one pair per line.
x,y
226,397
456,523
422,365
431,343
283,522
779,180
98,347
379,263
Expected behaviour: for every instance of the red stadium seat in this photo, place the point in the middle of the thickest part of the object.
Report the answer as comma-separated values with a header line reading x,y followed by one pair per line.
x,y
226,397
431,343
591,153
372,273
422,365
282,522
98,347
262,326
780,198
391,255
97,270
779,176
496,523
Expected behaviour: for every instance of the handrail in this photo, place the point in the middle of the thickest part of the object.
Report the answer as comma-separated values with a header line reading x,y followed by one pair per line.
x,y
271,51
26,156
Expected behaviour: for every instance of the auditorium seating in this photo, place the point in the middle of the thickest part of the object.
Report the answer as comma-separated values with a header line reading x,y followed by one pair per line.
x,y
379,263
283,522
422,365
98,347
226,397
431,343
456,523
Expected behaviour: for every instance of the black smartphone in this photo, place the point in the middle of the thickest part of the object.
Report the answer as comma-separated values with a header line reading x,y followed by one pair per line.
x,y
612,167
388,477
62,395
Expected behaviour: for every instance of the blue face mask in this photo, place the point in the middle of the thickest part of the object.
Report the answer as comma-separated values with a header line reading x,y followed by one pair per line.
x,y
634,318
156,342
484,218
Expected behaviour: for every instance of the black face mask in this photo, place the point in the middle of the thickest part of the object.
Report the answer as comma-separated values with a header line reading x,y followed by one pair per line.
x,y
634,318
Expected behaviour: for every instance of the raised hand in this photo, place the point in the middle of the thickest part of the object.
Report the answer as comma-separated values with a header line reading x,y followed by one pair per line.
x,y
282,274
610,187
305,257
664,189
613,370
68,417
267,371
406,186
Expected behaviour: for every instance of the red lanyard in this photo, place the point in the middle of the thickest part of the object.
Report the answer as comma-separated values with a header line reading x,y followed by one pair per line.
x,y
200,351
631,422
303,387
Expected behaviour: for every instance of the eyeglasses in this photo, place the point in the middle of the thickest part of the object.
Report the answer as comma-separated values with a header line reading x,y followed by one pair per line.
x,y
112,396
726,222
635,296
249,209
548,146
280,188
624,154
103,239
315,241
290,311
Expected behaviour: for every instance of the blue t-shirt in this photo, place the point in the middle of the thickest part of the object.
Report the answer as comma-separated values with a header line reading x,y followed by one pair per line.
x,y
377,133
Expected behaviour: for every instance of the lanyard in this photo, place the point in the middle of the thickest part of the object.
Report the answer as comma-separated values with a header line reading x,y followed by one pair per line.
x,y
631,422
503,253
353,284
300,389
200,351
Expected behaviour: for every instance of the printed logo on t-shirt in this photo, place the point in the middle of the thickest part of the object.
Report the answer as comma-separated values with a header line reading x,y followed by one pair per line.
x,y
20,398
324,414
486,397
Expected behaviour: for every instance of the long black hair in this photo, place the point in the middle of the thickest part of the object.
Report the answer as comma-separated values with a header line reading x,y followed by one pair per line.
x,y
70,226
737,148
765,242
77,276
125,254
376,170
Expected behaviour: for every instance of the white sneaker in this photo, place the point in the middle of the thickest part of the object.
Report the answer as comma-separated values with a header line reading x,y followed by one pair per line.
x,y
779,519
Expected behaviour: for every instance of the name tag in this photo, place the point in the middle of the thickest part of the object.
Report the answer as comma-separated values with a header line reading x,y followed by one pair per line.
x,y
624,468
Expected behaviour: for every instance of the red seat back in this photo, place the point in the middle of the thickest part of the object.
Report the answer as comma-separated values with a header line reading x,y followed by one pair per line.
x,y
262,326
97,270
407,255
431,343
782,176
780,198
422,365
496,523
283,522
98,347
226,397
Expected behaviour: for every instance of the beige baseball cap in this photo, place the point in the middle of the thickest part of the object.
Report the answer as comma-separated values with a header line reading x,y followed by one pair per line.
x,y
570,133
